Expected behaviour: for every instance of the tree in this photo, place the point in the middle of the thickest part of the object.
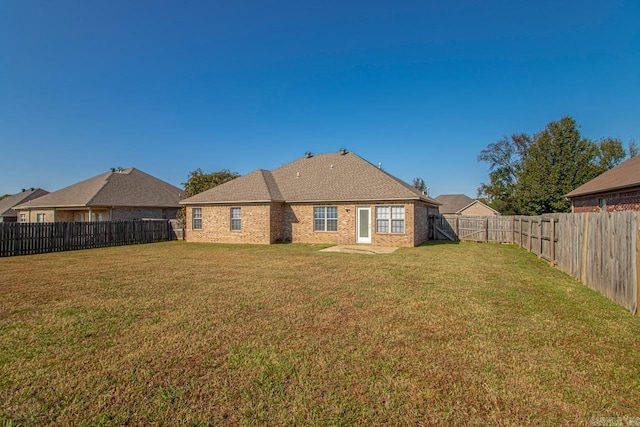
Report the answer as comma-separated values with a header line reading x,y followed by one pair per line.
x,y
531,175
558,161
420,185
633,148
505,159
610,153
199,181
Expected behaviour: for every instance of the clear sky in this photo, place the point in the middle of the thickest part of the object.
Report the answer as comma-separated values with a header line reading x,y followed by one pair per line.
x,y
421,86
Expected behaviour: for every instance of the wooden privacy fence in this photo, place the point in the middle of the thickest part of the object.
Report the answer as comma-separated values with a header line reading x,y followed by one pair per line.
x,y
38,238
599,249
497,229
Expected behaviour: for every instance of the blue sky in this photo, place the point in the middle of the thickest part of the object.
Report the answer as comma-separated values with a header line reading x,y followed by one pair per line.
x,y
423,87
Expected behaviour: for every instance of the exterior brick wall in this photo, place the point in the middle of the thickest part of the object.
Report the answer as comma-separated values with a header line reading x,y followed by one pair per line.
x,y
270,223
298,221
298,226
216,225
421,215
620,201
277,212
394,239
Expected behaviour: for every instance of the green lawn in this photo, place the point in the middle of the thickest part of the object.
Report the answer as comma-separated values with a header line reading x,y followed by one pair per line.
x,y
176,333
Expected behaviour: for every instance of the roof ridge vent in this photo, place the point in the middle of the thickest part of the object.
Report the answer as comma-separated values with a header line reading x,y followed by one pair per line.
x,y
343,151
308,154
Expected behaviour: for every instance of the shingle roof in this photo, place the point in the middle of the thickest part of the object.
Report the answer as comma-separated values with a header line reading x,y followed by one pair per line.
x,y
253,187
8,203
452,203
333,177
128,187
626,174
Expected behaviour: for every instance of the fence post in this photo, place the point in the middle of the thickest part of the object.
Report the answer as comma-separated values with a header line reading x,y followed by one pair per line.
x,y
486,229
520,222
540,236
585,239
552,247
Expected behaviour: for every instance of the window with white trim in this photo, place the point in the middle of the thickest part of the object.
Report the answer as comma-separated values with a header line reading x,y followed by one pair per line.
x,y
23,218
325,218
236,219
390,219
40,217
196,218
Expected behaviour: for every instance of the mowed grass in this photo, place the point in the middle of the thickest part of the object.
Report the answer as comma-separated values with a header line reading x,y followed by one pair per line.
x,y
196,334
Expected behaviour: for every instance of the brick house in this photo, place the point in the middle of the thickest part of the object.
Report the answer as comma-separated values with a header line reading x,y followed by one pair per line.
x,y
7,205
461,204
617,189
118,195
335,198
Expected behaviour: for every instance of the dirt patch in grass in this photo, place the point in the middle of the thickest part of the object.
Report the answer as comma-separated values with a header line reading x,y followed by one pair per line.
x,y
196,334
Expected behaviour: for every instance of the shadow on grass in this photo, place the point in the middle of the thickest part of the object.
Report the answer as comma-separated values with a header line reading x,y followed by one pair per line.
x,y
440,242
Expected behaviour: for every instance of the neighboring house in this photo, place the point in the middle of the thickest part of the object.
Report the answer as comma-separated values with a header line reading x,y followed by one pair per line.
x,y
7,205
617,189
121,194
327,198
461,204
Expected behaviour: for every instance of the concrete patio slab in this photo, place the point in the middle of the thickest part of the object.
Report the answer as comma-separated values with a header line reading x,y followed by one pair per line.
x,y
361,249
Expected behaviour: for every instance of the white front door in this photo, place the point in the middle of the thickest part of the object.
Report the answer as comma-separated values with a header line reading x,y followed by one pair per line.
x,y
363,225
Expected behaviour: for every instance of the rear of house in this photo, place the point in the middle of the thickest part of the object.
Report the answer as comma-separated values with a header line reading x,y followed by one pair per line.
x,y
336,198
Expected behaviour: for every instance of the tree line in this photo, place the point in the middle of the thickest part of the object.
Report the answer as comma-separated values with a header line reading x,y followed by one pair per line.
x,y
530,174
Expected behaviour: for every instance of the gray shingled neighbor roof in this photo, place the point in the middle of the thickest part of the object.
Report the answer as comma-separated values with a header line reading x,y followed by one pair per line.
x,y
625,175
332,177
452,203
8,203
119,188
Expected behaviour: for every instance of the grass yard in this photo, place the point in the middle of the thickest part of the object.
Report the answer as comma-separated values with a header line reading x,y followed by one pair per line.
x,y
195,334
